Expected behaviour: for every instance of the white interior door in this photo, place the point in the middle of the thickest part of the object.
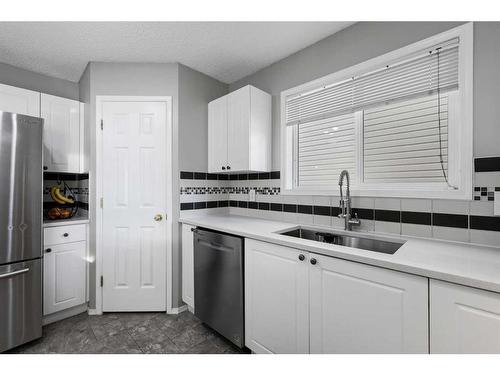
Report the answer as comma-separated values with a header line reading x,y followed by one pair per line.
x,y
134,192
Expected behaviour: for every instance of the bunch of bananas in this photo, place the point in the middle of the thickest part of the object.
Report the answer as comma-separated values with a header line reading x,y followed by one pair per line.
x,y
57,196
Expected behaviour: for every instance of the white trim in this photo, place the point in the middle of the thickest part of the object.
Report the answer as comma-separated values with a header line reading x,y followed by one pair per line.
x,y
177,310
94,312
465,125
169,162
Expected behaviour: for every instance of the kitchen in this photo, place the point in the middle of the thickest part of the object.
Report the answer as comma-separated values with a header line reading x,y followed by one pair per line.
x,y
303,202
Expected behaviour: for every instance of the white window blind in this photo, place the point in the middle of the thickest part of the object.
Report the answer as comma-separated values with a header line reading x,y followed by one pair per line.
x,y
401,141
412,76
324,149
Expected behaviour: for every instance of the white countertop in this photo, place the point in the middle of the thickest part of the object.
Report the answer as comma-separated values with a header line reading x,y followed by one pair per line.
x,y
461,263
77,219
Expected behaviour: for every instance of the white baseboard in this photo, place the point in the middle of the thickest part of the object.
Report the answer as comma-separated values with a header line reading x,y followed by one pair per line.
x,y
60,315
177,310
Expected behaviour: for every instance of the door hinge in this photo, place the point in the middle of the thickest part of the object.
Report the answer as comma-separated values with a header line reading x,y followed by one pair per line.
x,y
102,124
102,202
102,281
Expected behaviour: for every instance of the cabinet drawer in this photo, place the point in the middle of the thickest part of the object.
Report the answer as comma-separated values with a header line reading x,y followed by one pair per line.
x,y
65,234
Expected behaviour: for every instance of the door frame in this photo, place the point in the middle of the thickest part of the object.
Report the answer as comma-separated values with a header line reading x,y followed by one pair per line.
x,y
170,164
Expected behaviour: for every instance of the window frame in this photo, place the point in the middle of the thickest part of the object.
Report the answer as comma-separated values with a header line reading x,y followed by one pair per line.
x,y
460,159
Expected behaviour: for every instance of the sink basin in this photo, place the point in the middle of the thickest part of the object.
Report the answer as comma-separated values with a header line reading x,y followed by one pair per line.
x,y
379,246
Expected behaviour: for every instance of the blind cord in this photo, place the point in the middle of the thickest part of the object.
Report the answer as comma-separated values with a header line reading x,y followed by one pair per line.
x,y
439,123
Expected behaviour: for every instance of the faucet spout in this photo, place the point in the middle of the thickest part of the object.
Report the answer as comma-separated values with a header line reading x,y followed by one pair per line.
x,y
345,203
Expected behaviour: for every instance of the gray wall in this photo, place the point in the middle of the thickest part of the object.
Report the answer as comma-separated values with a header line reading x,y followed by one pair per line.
x,y
11,75
195,91
366,40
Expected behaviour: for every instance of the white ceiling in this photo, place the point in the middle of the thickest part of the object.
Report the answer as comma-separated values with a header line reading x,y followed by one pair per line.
x,y
226,51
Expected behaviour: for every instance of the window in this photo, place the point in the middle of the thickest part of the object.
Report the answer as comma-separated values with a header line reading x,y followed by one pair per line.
x,y
401,124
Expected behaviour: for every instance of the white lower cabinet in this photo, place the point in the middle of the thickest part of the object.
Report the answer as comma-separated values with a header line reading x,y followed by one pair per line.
x,y
276,299
356,308
188,265
463,319
331,306
64,276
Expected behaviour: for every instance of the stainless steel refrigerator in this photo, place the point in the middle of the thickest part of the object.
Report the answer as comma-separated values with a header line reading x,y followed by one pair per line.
x,y
21,181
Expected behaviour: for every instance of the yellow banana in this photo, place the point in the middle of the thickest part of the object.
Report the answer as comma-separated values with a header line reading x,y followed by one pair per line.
x,y
61,197
54,195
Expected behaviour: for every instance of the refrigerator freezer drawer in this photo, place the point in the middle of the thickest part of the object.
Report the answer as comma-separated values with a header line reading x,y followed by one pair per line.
x,y
21,317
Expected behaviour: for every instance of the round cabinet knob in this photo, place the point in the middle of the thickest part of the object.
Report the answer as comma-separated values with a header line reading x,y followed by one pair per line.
x,y
48,250
45,167
158,217
313,261
65,234
223,168
228,167
302,257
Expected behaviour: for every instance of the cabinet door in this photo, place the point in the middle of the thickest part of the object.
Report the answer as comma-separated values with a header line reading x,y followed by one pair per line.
x,y
64,277
217,135
464,320
187,265
61,134
276,299
357,308
238,123
16,100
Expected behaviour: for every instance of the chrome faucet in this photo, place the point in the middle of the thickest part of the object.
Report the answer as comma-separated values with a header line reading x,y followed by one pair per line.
x,y
345,203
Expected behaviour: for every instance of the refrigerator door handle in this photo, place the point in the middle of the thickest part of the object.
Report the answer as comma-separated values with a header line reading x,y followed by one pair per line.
x,y
14,273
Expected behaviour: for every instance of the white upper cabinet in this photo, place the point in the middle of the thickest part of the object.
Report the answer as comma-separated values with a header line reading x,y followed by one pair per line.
x,y
356,308
63,136
17,100
464,320
239,132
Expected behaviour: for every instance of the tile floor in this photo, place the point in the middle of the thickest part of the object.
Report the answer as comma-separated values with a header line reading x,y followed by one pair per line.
x,y
119,333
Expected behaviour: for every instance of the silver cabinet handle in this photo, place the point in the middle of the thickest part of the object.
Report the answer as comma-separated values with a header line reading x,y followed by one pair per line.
x,y
13,273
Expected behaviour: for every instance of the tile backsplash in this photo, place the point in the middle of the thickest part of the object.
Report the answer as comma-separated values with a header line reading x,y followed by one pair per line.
x,y
78,183
465,221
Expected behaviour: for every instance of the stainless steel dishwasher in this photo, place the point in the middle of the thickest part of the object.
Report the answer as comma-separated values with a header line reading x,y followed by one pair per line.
x,y
218,283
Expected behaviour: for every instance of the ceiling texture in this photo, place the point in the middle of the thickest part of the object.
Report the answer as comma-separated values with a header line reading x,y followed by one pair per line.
x,y
226,51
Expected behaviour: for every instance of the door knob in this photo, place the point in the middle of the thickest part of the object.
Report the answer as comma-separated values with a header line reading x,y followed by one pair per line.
x,y
158,217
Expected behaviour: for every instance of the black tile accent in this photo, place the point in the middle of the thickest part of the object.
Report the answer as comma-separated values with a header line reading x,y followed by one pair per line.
x,y
484,189
410,217
187,175
243,176
290,208
485,223
497,188
321,210
264,176
65,176
223,177
487,164
233,203
276,207
491,193
242,204
491,198
477,198
83,205
223,203
233,177
450,220
484,193
363,213
477,188
199,205
253,176
264,206
388,215
212,176
335,211
304,209
253,205
187,206
200,176
275,175
211,204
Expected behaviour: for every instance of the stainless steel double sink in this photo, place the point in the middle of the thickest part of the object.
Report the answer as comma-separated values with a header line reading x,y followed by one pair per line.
x,y
358,242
